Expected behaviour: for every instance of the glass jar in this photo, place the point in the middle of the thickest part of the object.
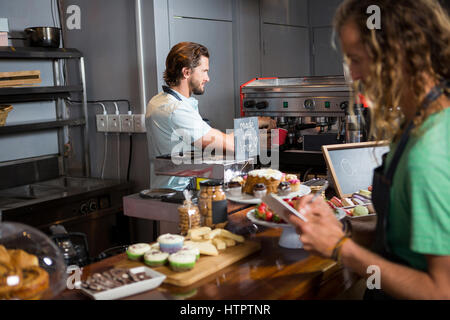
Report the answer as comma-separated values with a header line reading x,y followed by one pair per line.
x,y
189,216
212,202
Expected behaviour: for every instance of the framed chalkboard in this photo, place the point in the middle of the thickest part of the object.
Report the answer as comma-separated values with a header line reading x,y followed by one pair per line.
x,y
246,138
351,165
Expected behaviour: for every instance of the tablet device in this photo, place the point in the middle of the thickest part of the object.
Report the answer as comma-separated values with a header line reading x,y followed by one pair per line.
x,y
281,207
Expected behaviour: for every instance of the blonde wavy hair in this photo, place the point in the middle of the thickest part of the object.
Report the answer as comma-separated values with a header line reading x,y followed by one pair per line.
x,y
412,47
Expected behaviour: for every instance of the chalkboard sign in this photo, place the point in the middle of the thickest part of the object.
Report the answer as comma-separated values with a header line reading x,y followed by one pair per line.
x,y
246,138
351,165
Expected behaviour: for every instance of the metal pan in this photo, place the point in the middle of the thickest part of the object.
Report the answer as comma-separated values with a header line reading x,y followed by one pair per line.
x,y
43,36
157,193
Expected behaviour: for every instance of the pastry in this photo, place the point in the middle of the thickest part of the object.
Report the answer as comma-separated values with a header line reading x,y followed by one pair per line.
x,y
291,177
137,251
4,255
35,282
181,261
360,211
284,188
21,259
239,180
259,190
10,279
191,249
154,246
270,177
170,243
155,258
234,188
295,185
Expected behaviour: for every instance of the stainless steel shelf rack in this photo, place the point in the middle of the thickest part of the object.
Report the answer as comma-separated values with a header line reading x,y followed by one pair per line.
x,y
56,93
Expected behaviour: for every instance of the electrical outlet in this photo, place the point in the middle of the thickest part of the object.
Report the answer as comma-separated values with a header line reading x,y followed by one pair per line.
x,y
139,123
102,123
126,123
113,123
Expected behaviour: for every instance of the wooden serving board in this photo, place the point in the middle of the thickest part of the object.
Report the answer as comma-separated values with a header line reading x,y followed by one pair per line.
x,y
205,266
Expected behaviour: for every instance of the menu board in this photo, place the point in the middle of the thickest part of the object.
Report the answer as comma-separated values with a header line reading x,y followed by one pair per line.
x,y
351,165
246,138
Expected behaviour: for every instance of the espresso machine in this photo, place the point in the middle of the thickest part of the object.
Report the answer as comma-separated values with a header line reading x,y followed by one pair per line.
x,y
313,110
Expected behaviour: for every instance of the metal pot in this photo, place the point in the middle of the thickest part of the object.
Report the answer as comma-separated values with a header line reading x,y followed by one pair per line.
x,y
43,36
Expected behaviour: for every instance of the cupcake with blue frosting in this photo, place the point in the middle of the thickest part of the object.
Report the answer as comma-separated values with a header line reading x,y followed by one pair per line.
x,y
170,243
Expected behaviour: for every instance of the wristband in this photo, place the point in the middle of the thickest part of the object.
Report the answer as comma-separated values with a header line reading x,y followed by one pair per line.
x,y
339,257
336,249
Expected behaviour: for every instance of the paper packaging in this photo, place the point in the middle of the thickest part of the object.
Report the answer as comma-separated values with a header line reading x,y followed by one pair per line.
x,y
4,29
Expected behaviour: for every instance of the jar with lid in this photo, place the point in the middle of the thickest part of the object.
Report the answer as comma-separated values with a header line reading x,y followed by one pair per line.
x,y
212,202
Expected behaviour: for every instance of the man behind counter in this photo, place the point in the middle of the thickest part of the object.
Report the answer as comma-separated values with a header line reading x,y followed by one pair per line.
x,y
173,113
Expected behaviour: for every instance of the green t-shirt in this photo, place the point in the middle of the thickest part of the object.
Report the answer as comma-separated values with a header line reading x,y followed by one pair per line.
x,y
419,218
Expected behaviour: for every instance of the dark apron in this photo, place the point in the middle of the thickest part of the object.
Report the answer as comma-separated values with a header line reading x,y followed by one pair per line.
x,y
381,187
168,90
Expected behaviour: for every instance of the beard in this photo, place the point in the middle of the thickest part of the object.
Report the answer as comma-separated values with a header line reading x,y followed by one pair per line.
x,y
197,88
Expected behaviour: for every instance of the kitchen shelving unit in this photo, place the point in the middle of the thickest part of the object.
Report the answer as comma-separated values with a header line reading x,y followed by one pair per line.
x,y
58,92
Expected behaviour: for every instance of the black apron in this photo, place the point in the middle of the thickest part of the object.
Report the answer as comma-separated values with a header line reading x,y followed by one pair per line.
x,y
168,90
381,187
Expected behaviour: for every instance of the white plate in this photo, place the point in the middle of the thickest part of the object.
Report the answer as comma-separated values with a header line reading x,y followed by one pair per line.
x,y
252,218
249,199
129,289
289,237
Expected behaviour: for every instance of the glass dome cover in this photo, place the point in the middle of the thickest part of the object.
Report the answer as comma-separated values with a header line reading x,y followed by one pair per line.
x,y
20,236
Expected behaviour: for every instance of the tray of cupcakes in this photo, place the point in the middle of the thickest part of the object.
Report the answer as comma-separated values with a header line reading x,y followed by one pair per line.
x,y
187,259
257,183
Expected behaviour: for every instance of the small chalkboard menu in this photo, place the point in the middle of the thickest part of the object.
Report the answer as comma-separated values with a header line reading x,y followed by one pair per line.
x,y
246,138
351,165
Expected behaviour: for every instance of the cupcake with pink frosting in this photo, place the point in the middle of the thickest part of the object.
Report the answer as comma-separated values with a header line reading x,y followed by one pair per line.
x,y
293,181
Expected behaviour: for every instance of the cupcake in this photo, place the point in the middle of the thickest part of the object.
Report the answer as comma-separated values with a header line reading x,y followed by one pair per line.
x,y
137,251
291,177
259,190
170,243
295,184
234,188
239,180
190,249
155,258
284,188
181,261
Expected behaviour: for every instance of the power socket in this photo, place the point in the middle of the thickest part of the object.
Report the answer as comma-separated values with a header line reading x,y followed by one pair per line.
x,y
126,123
102,123
139,123
113,123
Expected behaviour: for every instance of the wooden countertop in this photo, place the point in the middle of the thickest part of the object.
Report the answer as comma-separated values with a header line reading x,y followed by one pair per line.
x,y
271,273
